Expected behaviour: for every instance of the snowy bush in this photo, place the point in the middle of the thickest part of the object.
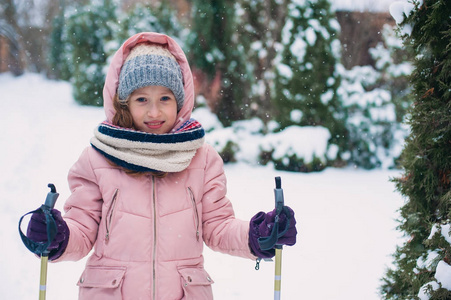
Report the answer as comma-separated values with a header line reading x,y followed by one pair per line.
x,y
371,118
222,139
225,142
296,148
394,65
238,142
375,101
299,149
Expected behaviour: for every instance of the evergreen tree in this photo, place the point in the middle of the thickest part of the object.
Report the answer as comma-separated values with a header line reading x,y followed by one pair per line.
x,y
87,32
426,215
306,83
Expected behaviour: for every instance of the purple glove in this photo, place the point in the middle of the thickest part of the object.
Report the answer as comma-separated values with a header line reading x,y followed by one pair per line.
x,y
37,232
261,226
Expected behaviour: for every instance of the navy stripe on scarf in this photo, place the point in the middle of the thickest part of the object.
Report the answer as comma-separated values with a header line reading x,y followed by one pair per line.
x,y
124,164
190,130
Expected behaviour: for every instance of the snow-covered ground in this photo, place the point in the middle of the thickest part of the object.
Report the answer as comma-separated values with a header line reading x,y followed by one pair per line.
x,y
346,217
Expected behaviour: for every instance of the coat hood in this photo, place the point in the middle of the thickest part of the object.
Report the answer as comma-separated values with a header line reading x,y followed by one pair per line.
x,y
112,77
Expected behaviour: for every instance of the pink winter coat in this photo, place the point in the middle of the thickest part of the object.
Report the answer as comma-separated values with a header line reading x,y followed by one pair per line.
x,y
148,232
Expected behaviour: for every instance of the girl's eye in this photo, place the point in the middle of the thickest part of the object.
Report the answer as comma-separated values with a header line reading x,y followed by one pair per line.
x,y
165,98
141,99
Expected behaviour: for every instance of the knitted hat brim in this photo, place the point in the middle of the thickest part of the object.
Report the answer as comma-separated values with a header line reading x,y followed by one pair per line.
x,y
151,70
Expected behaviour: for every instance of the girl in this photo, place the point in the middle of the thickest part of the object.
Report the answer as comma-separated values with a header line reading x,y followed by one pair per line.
x,y
149,192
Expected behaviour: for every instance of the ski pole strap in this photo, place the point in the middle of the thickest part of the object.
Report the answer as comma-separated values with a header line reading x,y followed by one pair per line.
x,y
269,242
40,248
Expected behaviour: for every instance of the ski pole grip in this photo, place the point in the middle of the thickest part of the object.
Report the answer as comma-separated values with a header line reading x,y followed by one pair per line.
x,y
278,195
270,241
278,182
52,196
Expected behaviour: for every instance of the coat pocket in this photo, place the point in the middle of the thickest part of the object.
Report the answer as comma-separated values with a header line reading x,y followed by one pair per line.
x,y
196,283
99,282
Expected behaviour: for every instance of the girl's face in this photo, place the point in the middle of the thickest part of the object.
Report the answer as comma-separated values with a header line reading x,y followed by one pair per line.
x,y
153,109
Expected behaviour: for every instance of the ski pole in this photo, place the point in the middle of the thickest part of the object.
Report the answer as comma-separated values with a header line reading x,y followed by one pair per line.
x,y
278,195
278,273
270,242
41,248
49,204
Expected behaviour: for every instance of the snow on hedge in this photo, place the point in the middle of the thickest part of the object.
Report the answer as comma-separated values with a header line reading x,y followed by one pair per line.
x,y
442,269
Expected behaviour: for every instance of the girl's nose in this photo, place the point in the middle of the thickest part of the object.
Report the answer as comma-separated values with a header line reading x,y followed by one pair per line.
x,y
153,110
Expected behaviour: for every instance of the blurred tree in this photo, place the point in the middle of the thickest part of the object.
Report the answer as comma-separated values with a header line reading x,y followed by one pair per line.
x,y
11,30
159,17
426,215
31,23
58,57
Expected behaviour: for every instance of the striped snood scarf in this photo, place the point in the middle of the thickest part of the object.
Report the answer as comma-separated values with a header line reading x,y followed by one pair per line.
x,y
145,152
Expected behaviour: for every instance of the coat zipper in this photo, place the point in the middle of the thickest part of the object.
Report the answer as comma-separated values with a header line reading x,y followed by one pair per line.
x,y
109,216
196,213
154,235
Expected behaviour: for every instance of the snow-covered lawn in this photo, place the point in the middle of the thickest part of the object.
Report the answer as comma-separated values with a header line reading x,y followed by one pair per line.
x,y
346,217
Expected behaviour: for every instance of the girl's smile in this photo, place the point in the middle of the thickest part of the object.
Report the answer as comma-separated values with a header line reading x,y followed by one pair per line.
x,y
153,109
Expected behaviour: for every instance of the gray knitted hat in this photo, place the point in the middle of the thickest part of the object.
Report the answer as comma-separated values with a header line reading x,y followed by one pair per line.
x,y
151,64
